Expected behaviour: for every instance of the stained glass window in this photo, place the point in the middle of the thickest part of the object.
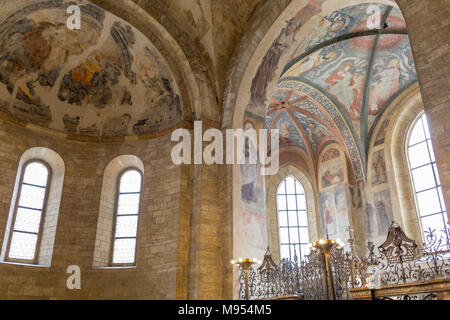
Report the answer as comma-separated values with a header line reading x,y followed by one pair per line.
x,y
292,219
29,212
425,177
124,247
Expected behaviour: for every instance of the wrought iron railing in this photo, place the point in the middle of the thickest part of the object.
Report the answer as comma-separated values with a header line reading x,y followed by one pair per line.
x,y
399,261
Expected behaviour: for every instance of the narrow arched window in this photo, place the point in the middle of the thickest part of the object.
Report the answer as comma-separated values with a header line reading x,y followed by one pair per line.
x,y
29,212
292,219
127,217
425,178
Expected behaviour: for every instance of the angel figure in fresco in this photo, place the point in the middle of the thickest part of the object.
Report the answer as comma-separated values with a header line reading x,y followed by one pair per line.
x,y
387,82
315,132
313,61
284,134
347,87
327,26
324,30
357,86
339,83
330,179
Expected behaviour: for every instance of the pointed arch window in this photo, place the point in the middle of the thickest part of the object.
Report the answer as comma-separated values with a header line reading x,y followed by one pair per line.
x,y
292,219
127,217
29,212
425,179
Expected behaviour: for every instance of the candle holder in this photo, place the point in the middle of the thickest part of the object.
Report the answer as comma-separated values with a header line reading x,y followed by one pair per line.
x,y
245,264
325,247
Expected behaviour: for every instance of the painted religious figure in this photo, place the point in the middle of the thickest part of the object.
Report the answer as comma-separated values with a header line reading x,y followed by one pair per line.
x,y
379,168
347,86
284,134
383,208
332,174
387,82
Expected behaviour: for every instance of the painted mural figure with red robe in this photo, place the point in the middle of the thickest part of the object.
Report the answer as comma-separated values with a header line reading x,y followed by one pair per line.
x,y
347,87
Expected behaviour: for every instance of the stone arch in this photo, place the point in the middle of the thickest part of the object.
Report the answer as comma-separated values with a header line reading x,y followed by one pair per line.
x,y
402,112
56,164
263,29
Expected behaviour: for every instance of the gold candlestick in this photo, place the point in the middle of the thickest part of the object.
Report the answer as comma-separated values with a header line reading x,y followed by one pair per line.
x,y
325,246
245,264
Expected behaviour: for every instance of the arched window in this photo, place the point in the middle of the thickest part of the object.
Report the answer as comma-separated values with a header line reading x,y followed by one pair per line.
x,y
29,212
292,219
425,178
127,217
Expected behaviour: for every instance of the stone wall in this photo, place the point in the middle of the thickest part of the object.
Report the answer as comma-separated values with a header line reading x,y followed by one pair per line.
x,y
154,276
428,28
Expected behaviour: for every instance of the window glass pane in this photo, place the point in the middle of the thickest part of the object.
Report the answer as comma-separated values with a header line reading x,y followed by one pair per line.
x,y
284,235
303,218
292,216
425,126
124,250
301,202
23,246
32,197
281,202
290,189
27,220
126,226
284,251
418,155
423,178
130,181
304,235
435,222
417,134
295,251
291,204
128,204
299,188
305,250
293,235
428,202
282,218
36,173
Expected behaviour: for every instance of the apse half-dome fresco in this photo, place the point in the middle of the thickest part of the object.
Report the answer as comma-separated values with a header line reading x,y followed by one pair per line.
x,y
339,81
104,80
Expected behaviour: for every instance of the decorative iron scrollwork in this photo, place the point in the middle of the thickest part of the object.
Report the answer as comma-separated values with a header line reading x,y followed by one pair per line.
x,y
399,260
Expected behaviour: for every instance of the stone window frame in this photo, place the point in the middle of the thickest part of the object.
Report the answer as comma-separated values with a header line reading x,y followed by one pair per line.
x,y
402,112
412,125
298,227
116,206
49,220
34,260
271,206
102,258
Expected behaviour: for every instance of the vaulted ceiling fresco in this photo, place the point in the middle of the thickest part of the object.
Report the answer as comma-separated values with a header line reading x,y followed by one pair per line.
x,y
341,78
106,79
